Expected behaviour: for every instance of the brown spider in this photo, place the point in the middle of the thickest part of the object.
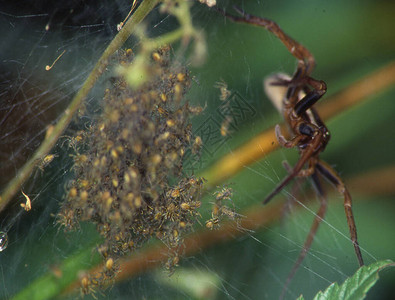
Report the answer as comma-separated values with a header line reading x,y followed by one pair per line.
x,y
310,134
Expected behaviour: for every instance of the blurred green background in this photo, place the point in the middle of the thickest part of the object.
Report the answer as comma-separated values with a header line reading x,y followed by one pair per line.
x,y
349,39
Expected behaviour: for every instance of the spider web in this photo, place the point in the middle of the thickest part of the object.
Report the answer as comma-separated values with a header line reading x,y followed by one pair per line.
x,y
254,264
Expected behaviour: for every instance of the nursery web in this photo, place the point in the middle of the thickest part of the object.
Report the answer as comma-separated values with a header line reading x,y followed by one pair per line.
x,y
255,262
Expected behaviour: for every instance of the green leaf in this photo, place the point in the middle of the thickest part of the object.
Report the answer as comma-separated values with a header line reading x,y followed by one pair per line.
x,y
356,286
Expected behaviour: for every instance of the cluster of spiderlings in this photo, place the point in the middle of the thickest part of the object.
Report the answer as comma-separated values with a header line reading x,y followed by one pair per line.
x,y
132,154
220,210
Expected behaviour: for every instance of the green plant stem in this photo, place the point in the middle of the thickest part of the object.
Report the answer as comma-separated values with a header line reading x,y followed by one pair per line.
x,y
168,38
15,184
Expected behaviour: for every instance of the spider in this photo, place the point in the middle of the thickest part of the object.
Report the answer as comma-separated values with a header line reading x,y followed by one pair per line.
x,y
310,135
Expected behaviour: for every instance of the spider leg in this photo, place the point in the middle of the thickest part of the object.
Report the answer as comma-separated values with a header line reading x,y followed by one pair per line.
x,y
308,101
319,89
290,144
296,188
306,154
330,174
283,141
313,230
306,59
309,171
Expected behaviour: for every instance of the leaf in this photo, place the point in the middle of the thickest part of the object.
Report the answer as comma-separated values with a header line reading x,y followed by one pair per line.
x,y
356,286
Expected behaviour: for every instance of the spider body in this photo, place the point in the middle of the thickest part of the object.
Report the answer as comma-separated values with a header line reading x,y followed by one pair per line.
x,y
309,133
295,97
